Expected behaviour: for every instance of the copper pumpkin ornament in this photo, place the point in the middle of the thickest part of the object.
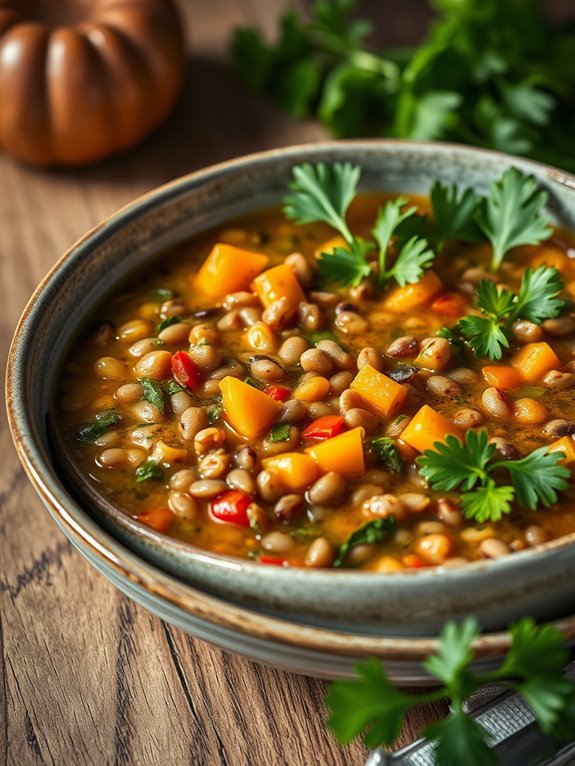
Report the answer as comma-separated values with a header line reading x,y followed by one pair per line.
x,y
83,79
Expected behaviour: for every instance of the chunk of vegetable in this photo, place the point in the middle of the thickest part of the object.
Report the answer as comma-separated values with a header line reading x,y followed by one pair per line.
x,y
185,371
534,360
228,269
323,428
159,519
232,508
276,283
565,445
295,470
411,296
279,393
502,376
428,427
329,246
248,410
378,390
342,454
450,305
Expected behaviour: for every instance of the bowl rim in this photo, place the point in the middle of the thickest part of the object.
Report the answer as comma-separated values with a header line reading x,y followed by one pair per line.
x,y
101,542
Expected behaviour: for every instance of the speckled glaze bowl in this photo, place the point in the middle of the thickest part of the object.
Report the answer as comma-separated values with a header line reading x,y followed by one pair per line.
x,y
540,581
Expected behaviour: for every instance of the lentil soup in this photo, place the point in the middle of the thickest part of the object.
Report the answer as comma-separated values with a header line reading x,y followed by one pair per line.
x,y
230,398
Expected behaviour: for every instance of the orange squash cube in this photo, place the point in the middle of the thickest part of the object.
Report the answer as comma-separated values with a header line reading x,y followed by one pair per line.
x,y
330,245
502,376
534,360
404,299
342,454
279,282
379,391
228,269
428,427
295,469
565,445
248,410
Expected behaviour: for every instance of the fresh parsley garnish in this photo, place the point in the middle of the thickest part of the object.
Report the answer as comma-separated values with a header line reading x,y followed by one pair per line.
x,y
470,466
344,267
280,432
149,469
167,322
387,453
171,387
254,382
161,294
537,300
102,422
153,393
512,214
214,412
373,532
370,706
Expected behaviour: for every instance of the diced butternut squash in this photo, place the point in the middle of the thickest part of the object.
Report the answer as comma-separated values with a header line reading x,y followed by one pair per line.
x,y
295,470
548,255
342,454
248,410
534,360
379,391
570,287
330,245
428,427
404,299
276,283
228,269
565,445
502,376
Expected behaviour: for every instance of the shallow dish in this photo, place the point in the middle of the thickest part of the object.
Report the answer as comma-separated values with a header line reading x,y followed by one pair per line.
x,y
540,582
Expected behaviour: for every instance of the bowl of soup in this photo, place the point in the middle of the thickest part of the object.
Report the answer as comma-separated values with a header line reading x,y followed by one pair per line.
x,y
332,382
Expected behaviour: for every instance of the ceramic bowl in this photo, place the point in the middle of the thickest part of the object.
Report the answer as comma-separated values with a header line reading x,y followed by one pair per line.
x,y
539,581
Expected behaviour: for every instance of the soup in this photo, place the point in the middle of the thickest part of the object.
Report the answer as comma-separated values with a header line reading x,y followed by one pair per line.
x,y
230,397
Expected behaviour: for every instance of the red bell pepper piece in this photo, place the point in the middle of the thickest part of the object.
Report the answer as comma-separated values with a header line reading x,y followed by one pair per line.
x,y
279,393
186,371
450,305
325,427
232,508
273,560
413,562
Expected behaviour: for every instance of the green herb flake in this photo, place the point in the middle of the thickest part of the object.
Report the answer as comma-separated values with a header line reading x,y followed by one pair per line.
x,y
280,432
149,469
214,412
388,454
161,294
373,532
171,387
254,383
167,322
153,393
315,337
103,421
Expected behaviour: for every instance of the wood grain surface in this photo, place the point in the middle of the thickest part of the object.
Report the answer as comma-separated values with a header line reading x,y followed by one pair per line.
x,y
87,677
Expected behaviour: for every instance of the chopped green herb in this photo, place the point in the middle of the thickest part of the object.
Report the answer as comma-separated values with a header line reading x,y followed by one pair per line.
x,y
149,469
254,383
315,337
387,453
153,393
171,387
279,433
304,533
452,336
373,532
167,322
214,412
161,294
103,421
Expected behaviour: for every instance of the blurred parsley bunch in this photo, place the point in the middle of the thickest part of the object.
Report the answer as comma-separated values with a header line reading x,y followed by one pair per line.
x,y
494,73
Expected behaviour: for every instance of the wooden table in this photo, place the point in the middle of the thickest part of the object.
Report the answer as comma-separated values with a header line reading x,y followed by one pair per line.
x,y
86,677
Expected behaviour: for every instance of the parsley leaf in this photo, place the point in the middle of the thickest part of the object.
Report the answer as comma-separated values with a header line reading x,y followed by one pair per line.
x,y
538,295
323,193
214,412
280,432
167,322
149,469
453,214
369,704
373,532
484,335
459,739
389,217
345,267
171,387
153,393
414,257
387,453
512,214
102,422
534,480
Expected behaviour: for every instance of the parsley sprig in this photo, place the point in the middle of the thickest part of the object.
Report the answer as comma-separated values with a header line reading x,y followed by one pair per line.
x,y
470,466
537,300
369,704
